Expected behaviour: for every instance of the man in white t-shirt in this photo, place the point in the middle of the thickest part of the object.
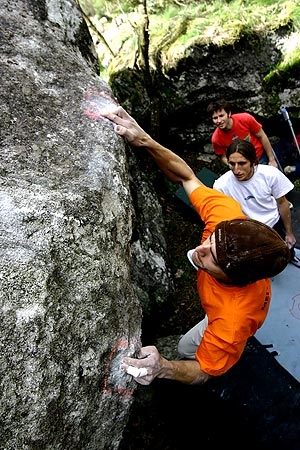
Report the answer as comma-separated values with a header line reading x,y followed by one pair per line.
x,y
260,189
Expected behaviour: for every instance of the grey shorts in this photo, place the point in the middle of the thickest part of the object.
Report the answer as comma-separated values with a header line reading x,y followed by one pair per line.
x,y
190,341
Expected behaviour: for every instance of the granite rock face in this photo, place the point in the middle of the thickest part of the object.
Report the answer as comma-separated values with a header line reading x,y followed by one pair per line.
x,y
70,303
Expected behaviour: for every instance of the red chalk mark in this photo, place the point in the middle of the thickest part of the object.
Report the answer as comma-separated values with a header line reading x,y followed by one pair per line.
x,y
94,102
295,309
111,383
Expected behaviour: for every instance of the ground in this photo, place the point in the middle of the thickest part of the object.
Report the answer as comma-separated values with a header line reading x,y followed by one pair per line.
x,y
256,404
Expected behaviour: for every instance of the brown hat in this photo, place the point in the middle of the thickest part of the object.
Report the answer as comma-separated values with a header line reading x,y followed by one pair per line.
x,y
248,250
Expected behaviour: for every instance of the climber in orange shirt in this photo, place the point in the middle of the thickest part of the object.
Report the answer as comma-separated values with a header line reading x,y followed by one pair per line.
x,y
234,262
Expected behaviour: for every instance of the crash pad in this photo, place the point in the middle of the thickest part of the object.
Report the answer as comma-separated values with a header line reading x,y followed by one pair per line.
x,y
280,333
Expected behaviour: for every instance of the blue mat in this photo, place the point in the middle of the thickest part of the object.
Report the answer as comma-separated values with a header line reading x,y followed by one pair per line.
x,y
281,329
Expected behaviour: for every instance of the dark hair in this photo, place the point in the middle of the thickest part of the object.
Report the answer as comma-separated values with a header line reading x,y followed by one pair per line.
x,y
243,147
216,105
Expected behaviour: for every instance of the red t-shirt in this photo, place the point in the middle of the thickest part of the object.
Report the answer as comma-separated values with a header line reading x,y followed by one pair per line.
x,y
234,313
244,127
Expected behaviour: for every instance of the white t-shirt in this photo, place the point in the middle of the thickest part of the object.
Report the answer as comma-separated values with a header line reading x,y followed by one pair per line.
x,y
257,195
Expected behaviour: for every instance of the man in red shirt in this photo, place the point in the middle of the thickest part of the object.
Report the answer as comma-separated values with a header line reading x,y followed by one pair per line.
x,y
238,126
234,262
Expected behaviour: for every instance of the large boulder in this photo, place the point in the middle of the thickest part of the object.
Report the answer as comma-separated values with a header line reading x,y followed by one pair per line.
x,y
70,302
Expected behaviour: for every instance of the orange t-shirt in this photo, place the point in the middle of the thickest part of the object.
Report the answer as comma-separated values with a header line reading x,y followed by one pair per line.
x,y
234,313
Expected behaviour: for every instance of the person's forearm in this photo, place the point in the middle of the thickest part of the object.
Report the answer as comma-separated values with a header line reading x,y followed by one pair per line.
x,y
150,364
268,149
285,214
174,167
224,159
187,372
267,146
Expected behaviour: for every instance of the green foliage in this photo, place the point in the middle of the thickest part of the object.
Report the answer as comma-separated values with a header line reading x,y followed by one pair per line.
x,y
175,25
169,13
297,184
218,21
286,72
102,8
113,8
